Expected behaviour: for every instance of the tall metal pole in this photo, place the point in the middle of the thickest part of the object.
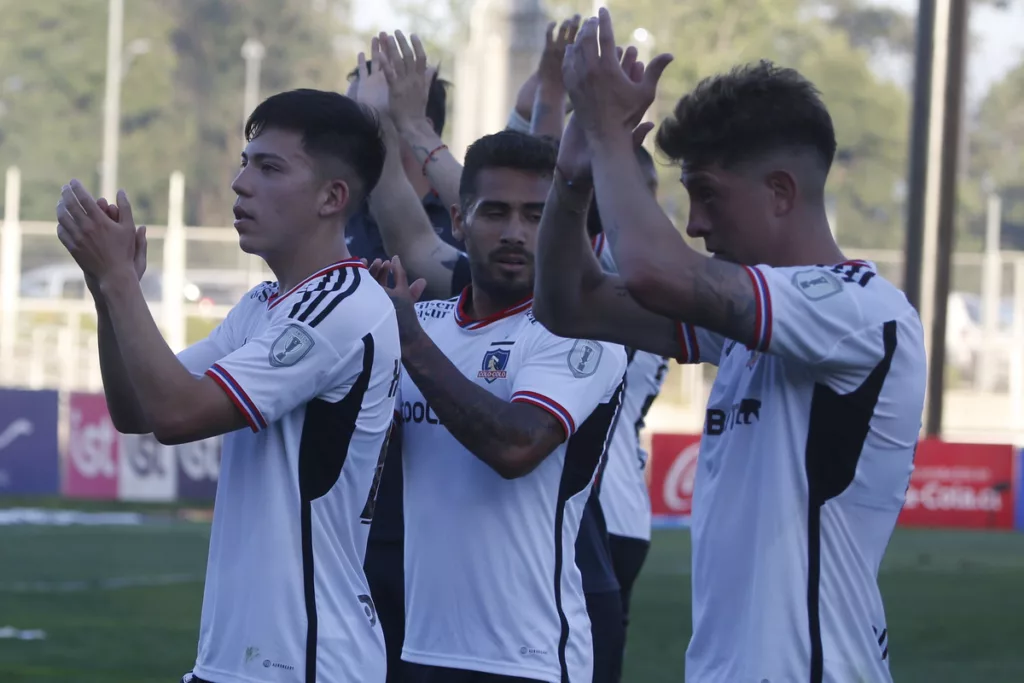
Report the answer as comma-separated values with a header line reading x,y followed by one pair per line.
x,y
918,169
952,103
112,99
252,52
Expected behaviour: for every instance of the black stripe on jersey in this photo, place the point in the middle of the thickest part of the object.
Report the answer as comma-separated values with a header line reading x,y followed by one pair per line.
x,y
325,289
333,280
327,430
338,298
839,425
583,453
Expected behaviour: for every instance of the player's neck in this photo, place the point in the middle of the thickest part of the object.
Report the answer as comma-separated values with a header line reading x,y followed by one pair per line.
x,y
293,267
813,244
484,304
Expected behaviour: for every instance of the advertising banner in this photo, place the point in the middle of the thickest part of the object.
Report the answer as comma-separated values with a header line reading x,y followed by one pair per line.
x,y
673,467
147,470
29,460
960,485
198,469
90,470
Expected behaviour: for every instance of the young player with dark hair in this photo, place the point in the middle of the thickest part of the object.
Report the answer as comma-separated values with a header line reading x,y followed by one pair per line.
x,y
815,412
301,377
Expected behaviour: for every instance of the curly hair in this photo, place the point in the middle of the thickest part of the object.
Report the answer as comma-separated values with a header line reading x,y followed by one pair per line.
x,y
754,109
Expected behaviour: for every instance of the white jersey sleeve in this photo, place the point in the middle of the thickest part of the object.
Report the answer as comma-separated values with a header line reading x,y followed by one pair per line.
x,y
227,336
568,378
827,317
698,345
290,364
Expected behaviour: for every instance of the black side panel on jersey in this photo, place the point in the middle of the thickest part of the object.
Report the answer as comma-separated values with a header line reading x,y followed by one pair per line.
x,y
326,435
583,453
839,426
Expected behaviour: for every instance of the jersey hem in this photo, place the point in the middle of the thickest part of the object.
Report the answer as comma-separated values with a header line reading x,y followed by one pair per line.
x,y
481,665
226,677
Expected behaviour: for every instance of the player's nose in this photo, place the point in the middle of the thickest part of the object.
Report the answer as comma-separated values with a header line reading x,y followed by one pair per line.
x,y
240,184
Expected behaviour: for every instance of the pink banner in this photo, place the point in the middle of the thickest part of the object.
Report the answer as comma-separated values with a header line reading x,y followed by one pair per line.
x,y
91,468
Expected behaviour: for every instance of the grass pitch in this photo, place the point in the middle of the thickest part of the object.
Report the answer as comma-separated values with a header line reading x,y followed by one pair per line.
x,y
120,604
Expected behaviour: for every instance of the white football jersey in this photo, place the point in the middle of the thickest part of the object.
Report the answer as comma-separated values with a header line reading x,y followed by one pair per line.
x,y
622,487
805,459
491,581
315,371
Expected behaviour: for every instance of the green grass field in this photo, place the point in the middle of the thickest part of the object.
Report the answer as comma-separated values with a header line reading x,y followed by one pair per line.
x,y
955,603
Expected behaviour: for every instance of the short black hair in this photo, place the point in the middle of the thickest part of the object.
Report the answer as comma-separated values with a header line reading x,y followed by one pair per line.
x,y
333,128
506,149
754,109
437,97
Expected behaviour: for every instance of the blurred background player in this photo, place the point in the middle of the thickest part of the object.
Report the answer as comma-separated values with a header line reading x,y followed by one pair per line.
x,y
301,377
813,420
510,423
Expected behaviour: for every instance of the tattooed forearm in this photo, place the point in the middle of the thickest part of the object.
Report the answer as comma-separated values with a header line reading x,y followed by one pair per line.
x,y
512,438
723,298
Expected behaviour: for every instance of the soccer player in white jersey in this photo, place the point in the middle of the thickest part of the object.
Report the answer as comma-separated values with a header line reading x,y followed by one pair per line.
x,y
503,428
301,377
815,412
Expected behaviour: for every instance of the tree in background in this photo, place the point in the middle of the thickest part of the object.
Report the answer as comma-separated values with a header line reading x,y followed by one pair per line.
x,y
181,102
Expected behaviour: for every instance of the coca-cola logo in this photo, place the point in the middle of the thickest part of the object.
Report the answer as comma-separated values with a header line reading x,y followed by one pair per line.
x,y
936,496
92,447
678,487
145,459
200,460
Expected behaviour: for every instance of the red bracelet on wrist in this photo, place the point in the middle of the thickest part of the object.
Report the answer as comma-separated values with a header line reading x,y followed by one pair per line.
x,y
430,157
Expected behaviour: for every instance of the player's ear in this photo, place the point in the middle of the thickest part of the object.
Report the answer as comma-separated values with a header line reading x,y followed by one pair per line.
x,y
782,185
336,198
457,231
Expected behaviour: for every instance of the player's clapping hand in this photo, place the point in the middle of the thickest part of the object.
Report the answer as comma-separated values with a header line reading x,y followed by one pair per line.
x,y
402,293
372,88
610,97
408,77
555,43
101,239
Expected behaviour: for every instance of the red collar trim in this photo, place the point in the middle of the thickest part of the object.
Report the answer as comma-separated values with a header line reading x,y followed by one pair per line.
x,y
598,243
275,298
465,321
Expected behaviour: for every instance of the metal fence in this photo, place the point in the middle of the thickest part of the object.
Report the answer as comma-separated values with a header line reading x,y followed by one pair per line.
x,y
195,275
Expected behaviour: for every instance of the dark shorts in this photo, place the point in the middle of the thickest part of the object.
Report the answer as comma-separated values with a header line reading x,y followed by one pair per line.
x,y
385,572
628,555
421,673
609,633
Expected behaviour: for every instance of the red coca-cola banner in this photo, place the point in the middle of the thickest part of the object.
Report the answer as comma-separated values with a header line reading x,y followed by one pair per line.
x,y
960,485
953,484
673,467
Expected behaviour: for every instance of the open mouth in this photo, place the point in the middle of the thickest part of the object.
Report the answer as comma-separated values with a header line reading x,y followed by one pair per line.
x,y
241,215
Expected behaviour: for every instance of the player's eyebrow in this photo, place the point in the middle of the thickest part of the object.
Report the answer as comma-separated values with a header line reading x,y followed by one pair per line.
x,y
264,156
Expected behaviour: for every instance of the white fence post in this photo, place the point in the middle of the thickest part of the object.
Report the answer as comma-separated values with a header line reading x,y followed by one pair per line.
x,y
173,304
991,296
10,272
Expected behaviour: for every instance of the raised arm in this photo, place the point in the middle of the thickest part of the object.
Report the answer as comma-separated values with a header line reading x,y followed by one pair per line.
x,y
659,270
406,71
547,116
174,404
403,223
573,296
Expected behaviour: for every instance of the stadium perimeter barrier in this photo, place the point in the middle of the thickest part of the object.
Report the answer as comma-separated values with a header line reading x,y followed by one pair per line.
x,y
954,485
